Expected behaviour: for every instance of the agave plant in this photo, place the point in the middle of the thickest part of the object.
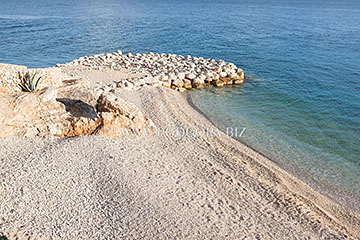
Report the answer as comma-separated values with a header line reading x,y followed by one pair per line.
x,y
30,82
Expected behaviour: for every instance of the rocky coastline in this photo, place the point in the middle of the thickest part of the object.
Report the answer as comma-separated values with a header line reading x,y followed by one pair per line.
x,y
60,179
73,99
145,187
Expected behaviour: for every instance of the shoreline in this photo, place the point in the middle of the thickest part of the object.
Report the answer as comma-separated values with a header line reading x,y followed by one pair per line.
x,y
221,186
261,183
319,189
333,201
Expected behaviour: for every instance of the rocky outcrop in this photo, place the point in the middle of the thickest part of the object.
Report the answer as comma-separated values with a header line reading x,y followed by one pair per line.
x,y
65,107
11,77
120,117
44,114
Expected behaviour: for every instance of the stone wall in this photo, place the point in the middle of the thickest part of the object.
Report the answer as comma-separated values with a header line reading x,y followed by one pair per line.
x,y
11,77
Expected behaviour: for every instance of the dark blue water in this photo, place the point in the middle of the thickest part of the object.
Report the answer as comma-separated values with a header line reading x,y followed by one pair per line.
x,y
302,106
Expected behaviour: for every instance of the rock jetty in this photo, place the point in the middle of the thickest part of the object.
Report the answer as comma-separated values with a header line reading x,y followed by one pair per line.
x,y
168,70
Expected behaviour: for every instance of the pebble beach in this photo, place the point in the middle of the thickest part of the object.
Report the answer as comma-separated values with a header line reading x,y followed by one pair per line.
x,y
144,187
179,120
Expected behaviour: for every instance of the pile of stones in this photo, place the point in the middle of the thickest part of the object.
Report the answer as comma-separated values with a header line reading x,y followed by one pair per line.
x,y
169,70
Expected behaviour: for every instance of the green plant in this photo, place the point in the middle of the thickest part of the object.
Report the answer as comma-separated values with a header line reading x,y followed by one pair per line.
x,y
30,82
3,238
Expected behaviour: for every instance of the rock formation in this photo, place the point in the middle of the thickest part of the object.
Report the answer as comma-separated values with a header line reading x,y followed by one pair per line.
x,y
11,77
68,107
120,117
44,114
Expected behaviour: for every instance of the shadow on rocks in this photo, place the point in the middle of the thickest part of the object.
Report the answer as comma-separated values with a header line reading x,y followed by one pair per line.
x,y
78,108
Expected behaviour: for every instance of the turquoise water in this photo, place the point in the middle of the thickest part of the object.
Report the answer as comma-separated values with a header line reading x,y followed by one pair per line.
x,y
301,105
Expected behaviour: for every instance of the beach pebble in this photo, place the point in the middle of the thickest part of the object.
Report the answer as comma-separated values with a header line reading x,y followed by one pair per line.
x,y
190,76
209,75
166,84
181,76
178,83
164,78
187,84
198,82
129,85
223,74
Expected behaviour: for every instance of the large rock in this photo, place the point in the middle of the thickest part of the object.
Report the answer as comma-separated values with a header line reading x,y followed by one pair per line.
x,y
11,76
218,83
82,119
181,76
198,82
120,117
178,83
227,80
241,74
187,84
166,84
190,76
43,114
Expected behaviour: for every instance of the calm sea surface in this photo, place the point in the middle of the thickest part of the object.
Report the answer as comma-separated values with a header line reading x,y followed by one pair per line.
x,y
301,104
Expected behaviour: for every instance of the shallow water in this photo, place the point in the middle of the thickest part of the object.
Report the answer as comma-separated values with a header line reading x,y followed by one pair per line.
x,y
302,108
